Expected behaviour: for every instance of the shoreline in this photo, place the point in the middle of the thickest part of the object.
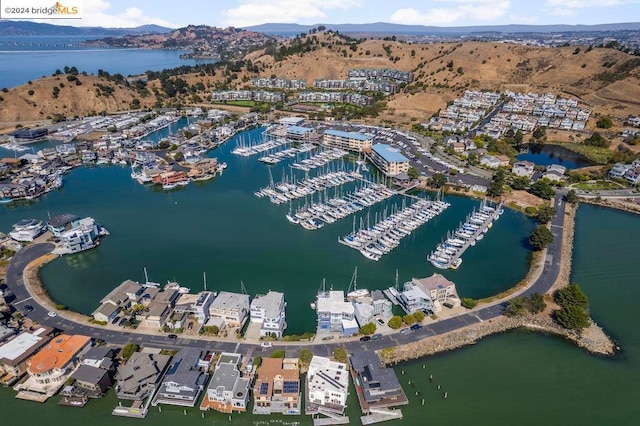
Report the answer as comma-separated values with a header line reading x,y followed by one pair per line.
x,y
612,203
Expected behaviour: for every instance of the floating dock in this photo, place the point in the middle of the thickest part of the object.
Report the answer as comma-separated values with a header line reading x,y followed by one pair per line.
x,y
448,253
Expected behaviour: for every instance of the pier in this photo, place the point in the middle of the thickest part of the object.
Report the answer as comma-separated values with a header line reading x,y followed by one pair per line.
x,y
448,253
385,235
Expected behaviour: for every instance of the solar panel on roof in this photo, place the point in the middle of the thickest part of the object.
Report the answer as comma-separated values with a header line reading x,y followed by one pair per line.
x,y
264,388
290,387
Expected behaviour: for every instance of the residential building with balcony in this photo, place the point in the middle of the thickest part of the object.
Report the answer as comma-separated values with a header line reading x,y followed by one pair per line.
x,y
277,387
269,311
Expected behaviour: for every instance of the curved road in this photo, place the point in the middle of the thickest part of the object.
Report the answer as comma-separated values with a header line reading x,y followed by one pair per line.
x,y
27,255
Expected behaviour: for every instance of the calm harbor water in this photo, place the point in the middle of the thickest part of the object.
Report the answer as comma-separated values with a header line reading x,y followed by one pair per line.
x,y
220,227
28,58
544,155
533,378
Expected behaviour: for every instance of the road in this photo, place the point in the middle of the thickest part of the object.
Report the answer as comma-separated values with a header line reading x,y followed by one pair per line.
x,y
25,256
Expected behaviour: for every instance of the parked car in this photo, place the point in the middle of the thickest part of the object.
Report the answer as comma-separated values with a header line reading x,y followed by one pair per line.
x,y
115,320
405,331
416,327
376,336
123,322
365,338
52,314
380,321
266,344
172,336
28,308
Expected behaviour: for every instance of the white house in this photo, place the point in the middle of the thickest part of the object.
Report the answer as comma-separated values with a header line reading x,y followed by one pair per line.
x,y
233,308
327,384
523,168
269,310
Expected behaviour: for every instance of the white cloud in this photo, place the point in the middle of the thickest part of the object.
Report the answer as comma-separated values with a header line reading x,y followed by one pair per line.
x,y
253,12
571,7
96,13
476,10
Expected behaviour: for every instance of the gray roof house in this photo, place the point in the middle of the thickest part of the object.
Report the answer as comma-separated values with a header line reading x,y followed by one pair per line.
x,y
96,381
100,357
379,386
184,380
140,375
227,391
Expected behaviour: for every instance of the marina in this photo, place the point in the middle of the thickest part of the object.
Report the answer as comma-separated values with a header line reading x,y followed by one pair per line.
x,y
322,158
284,191
448,253
329,210
385,234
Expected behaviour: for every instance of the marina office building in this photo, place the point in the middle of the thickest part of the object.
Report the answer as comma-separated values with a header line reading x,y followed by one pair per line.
x,y
388,160
351,141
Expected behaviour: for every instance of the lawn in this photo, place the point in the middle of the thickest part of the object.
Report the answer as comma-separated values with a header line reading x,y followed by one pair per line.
x,y
594,153
598,185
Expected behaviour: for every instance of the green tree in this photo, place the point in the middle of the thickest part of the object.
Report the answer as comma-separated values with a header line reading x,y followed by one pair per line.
x,y
572,197
128,350
572,318
305,356
518,136
438,180
278,353
179,156
545,214
515,307
413,173
368,329
519,182
468,302
540,238
536,303
395,322
408,319
596,139
340,355
496,187
604,123
418,316
540,133
571,295
543,189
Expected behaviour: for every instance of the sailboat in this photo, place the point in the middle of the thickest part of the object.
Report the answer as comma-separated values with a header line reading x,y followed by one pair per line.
x,y
356,293
148,283
322,292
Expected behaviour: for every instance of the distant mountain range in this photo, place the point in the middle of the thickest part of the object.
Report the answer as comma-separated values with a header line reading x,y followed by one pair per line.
x,y
388,28
26,28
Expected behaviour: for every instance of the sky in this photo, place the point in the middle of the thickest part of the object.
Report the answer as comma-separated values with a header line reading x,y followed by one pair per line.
x,y
242,13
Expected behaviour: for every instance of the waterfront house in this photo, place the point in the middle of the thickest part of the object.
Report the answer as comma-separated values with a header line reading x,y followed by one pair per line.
x,y
15,354
335,314
184,380
388,160
83,235
554,172
427,294
493,162
327,386
523,168
156,315
228,390
100,357
61,223
269,311
376,385
351,141
277,387
120,298
93,380
367,309
633,175
53,364
27,230
138,377
233,308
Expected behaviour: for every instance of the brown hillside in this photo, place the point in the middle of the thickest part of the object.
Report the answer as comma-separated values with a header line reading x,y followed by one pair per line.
x,y
442,72
72,100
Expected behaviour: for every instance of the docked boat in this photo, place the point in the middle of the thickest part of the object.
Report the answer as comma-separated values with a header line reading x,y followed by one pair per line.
x,y
169,186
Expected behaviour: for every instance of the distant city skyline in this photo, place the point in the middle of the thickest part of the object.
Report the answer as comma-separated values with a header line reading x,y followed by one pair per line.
x,y
243,13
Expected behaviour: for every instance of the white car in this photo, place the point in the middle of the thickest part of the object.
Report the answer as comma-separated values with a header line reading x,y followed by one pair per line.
x,y
52,314
266,344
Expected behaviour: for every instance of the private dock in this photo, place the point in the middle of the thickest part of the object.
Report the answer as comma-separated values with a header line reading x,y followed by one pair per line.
x,y
379,415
